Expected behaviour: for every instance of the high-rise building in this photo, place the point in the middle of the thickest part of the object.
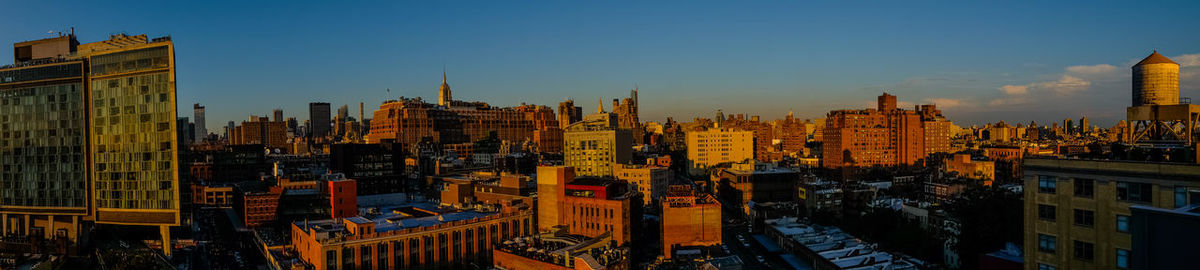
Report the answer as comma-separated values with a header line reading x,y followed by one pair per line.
x,y
260,130
593,146
318,116
717,145
201,129
277,115
885,136
627,115
1069,126
1084,126
133,97
44,159
936,129
444,98
568,113
793,134
689,218
1077,212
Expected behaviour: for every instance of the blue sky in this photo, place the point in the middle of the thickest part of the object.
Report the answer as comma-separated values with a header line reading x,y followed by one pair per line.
x,y
981,62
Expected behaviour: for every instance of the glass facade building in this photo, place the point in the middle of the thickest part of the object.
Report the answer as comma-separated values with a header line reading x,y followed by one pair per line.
x,y
133,135
42,137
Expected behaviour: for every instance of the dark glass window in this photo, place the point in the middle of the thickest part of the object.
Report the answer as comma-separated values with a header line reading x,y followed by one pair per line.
x,y
1084,251
1046,184
1085,188
1086,218
1047,212
1047,243
1135,192
1122,223
1122,259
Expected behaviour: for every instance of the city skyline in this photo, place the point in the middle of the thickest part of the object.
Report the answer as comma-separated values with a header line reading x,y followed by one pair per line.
x,y
995,63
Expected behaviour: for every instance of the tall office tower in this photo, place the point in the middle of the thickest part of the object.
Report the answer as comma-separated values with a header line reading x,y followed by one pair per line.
x,y
43,158
186,131
1069,126
1084,126
444,98
568,113
133,132
318,115
1078,212
201,130
593,146
885,136
292,127
278,115
228,128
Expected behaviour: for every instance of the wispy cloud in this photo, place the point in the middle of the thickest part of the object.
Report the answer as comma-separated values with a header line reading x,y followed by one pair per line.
x,y
1101,69
948,103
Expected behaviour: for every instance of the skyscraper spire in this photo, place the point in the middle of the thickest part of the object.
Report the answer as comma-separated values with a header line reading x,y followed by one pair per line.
x,y
444,97
600,105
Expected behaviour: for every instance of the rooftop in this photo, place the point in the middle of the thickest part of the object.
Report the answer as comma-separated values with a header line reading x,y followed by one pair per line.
x,y
393,212
840,248
1155,58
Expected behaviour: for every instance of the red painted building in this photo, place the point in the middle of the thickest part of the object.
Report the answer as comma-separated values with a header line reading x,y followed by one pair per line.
x,y
343,198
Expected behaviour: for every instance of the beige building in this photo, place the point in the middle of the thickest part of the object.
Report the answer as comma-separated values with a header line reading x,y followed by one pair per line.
x,y
651,181
1077,211
593,146
972,169
714,146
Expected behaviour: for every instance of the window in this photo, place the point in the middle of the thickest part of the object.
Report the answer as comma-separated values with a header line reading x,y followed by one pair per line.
x,y
1047,212
1047,243
1084,188
1042,266
331,259
1083,250
1180,197
1122,259
1134,192
381,253
1046,184
365,254
1122,223
1085,218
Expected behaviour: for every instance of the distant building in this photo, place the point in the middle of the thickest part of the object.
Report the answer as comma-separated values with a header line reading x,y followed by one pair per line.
x,y
262,131
651,181
1077,212
715,146
971,169
568,113
201,127
318,117
595,145
885,136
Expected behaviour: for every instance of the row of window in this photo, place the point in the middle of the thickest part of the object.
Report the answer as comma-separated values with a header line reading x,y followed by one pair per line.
x,y
1085,188
1083,251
